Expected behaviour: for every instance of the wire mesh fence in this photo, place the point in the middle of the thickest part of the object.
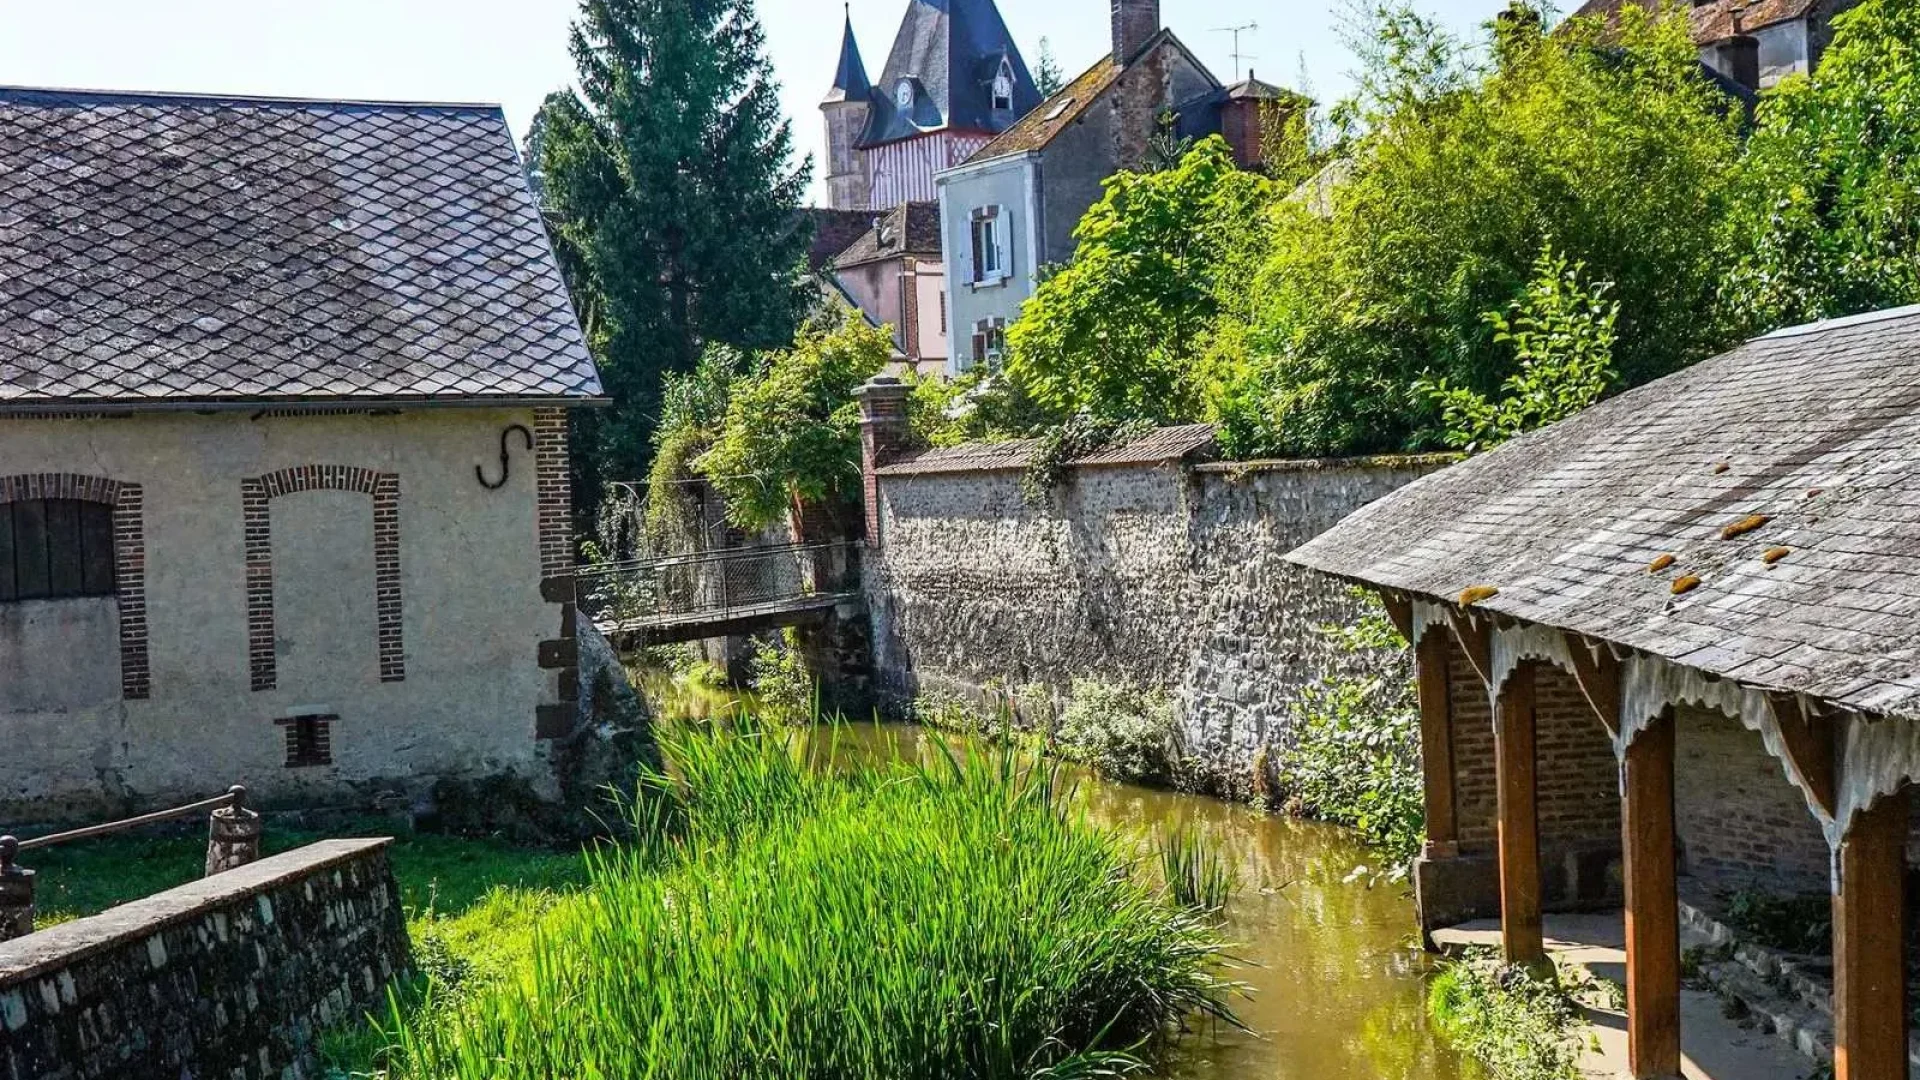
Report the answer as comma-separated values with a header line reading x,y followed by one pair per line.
x,y
716,584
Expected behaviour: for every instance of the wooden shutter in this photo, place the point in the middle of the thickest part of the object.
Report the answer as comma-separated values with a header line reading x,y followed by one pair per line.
x,y
8,591
96,549
30,549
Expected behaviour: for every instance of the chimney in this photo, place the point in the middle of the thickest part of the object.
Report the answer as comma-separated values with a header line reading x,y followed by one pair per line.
x,y
1134,24
1740,60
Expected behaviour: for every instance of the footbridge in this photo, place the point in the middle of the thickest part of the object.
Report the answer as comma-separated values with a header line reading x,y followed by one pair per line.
x,y
719,592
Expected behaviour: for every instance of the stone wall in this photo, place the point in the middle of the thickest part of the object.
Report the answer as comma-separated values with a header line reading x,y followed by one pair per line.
x,y
234,976
1158,575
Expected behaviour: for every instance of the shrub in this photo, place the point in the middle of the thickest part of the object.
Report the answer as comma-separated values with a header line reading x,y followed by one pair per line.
x,y
781,683
865,921
1121,733
1519,1026
1355,757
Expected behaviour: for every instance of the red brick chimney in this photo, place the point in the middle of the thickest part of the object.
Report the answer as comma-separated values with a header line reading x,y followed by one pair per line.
x,y
1134,24
883,435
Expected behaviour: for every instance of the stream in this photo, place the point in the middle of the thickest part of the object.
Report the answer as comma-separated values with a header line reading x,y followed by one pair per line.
x,y
1337,981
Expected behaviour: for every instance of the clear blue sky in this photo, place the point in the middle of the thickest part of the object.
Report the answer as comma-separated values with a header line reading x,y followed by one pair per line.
x,y
514,51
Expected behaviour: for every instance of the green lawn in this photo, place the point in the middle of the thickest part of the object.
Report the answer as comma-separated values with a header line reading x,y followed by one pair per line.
x,y
442,874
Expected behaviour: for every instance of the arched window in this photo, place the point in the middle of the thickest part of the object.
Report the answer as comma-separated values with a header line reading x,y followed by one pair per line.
x,y
1003,86
53,549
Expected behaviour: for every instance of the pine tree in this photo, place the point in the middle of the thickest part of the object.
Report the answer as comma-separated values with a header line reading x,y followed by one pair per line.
x,y
668,181
1047,77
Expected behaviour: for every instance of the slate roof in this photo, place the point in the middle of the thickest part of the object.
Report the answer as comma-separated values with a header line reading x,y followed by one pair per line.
x,y
1038,128
850,78
950,50
1180,443
910,228
1817,428
833,232
1714,20
162,249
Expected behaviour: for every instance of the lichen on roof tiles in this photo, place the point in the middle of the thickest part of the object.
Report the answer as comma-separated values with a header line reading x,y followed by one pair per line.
x,y
1569,520
161,248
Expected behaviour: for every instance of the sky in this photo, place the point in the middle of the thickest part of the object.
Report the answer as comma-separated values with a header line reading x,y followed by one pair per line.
x,y
514,51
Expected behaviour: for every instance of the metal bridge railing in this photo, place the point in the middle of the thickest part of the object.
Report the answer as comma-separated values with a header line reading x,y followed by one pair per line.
x,y
233,840
715,584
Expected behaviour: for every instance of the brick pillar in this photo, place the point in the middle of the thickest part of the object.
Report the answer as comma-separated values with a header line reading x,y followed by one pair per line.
x,y
883,435
16,893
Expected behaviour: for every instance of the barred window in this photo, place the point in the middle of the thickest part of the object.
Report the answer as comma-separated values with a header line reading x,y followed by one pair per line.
x,y
54,549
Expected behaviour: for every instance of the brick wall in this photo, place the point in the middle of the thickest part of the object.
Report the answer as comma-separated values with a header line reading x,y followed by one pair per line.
x,y
1578,795
234,976
129,558
557,717
1740,821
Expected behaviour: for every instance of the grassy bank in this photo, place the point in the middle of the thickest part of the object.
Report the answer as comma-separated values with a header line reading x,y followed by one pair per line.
x,y
865,921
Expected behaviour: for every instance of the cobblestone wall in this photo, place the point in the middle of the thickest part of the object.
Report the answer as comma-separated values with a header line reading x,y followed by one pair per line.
x,y
234,976
1159,576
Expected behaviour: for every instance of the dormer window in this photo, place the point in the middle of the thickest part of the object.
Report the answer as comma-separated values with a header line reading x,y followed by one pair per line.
x,y
1003,87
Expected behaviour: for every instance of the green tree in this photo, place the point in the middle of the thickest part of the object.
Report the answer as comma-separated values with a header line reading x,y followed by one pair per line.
x,y
1454,175
1562,333
792,432
1139,325
668,179
1047,77
1830,221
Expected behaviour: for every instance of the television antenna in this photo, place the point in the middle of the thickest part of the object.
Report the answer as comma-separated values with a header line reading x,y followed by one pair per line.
x,y
1239,58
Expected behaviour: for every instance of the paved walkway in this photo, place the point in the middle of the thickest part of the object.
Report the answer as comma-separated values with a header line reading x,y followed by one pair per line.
x,y
1712,1046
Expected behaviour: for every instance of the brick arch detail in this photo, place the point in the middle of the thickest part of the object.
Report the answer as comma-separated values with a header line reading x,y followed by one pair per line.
x,y
256,496
129,557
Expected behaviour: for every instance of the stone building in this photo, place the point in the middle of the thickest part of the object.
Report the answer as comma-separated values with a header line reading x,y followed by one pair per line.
x,y
1012,207
1674,642
283,451
1752,43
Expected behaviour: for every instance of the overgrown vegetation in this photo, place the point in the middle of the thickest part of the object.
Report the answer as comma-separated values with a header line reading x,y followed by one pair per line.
x,y
785,692
1355,758
862,921
1521,1027
1801,923
1121,732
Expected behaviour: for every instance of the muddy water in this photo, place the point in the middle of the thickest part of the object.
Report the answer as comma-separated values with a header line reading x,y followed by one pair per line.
x,y
1337,983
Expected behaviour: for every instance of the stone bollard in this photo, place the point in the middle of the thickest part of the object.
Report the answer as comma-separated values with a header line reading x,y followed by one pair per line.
x,y
16,893
233,834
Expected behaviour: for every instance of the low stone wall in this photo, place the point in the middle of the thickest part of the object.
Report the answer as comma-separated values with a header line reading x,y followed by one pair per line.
x,y
233,976
1161,575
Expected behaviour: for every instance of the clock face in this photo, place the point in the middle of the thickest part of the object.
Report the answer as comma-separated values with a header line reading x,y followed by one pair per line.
x,y
903,94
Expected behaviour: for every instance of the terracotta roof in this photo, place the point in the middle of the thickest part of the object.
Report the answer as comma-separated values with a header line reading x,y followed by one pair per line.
x,y
911,228
1165,444
167,248
833,231
1813,429
1054,115
1713,21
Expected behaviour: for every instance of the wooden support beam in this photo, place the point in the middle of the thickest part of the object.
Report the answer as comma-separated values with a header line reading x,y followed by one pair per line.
x,y
1598,674
1431,663
1869,946
1808,737
1400,610
1653,903
1520,934
1476,642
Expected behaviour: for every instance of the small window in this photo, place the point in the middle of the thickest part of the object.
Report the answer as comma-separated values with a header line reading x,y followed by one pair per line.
x,y
1003,88
55,549
989,341
309,740
943,312
989,252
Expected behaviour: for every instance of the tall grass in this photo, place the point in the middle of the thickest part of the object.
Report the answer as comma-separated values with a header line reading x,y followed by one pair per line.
x,y
1197,874
886,921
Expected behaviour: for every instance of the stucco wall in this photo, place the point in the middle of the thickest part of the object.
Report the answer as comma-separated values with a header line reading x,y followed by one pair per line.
x,y
1155,576
472,616
1005,183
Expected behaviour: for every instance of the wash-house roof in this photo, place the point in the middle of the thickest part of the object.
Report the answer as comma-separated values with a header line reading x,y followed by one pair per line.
x,y
169,250
1755,517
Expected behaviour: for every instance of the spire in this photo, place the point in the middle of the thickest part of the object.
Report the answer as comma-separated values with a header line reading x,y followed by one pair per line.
x,y
850,80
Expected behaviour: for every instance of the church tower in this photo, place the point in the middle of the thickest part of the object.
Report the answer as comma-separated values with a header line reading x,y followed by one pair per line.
x,y
846,109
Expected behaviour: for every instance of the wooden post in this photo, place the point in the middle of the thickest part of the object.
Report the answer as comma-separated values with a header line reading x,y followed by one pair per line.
x,y
1653,904
1520,934
1869,946
1436,743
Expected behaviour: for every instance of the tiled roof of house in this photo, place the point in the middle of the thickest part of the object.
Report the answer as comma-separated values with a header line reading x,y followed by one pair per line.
x,y
1715,20
162,249
1054,115
911,228
1186,441
1782,475
833,231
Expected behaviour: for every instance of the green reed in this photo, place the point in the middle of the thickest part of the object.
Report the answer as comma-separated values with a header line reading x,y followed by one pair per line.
x,y
886,921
